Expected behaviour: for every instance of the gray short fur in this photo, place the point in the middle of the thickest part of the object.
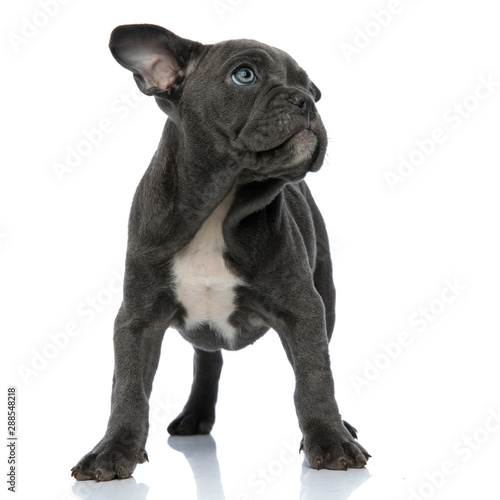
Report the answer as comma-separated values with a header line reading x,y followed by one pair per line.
x,y
256,140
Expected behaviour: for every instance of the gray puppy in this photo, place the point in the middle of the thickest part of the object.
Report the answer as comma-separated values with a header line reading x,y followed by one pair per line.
x,y
225,241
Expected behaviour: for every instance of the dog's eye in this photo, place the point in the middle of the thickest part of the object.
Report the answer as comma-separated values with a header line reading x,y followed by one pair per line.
x,y
244,76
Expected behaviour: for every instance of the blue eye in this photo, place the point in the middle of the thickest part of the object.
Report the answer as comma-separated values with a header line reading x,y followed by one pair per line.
x,y
244,76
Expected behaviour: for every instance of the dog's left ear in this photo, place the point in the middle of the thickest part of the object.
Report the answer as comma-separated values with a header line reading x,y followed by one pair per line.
x,y
157,57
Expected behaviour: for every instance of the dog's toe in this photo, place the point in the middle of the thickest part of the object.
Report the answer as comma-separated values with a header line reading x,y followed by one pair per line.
x,y
352,430
336,450
85,469
108,463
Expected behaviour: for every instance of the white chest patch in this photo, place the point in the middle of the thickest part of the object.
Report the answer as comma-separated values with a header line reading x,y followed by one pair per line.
x,y
205,286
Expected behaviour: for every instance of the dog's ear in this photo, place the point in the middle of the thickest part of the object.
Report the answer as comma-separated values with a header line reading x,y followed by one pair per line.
x,y
157,57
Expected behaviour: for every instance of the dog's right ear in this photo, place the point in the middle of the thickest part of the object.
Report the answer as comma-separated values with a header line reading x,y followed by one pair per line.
x,y
158,58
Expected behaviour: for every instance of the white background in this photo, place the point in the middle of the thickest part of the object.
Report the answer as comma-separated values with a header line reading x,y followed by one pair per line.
x,y
397,253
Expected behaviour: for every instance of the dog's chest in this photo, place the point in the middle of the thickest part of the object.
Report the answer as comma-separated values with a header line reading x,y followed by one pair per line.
x,y
205,286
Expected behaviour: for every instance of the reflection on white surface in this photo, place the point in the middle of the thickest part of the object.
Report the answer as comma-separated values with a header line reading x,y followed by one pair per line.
x,y
126,489
201,455
326,484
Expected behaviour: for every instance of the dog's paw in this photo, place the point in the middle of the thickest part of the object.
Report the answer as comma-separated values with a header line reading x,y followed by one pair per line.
x,y
335,449
191,422
352,430
108,462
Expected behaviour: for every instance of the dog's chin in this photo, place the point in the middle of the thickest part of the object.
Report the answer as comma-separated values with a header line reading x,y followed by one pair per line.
x,y
303,146
302,151
291,160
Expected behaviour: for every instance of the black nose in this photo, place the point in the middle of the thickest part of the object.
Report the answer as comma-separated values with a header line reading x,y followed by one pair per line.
x,y
304,102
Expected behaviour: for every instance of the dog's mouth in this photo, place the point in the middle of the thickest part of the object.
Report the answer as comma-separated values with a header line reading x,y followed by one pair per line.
x,y
302,145
305,145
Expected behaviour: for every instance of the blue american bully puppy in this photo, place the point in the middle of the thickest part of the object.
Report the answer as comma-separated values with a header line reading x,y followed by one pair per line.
x,y
225,241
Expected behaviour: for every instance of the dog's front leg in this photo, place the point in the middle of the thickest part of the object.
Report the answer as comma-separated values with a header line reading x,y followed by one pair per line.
x,y
327,442
137,350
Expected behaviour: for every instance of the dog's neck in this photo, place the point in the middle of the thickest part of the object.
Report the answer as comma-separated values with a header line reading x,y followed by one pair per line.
x,y
179,192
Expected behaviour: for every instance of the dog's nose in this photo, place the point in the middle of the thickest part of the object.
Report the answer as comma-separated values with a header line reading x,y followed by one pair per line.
x,y
304,102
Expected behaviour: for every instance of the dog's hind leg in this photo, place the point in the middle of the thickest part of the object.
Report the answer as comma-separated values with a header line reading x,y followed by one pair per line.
x,y
198,415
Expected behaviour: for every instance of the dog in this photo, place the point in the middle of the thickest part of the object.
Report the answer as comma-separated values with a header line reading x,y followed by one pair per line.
x,y
225,241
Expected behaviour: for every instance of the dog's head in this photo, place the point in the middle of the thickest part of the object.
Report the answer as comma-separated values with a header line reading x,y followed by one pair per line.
x,y
239,103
